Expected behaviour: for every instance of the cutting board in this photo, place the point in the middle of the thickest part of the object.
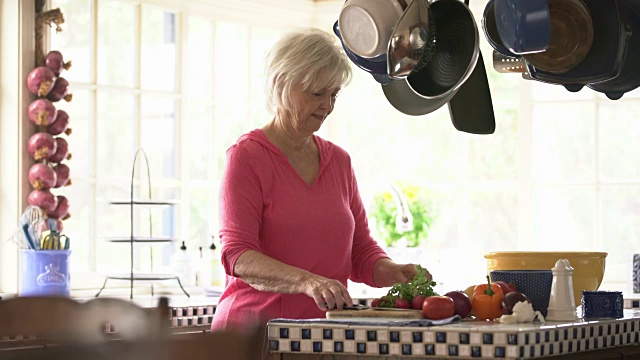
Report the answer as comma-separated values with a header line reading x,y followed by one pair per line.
x,y
375,313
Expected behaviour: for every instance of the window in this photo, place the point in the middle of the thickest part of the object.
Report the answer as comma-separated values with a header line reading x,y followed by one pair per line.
x,y
180,83
561,172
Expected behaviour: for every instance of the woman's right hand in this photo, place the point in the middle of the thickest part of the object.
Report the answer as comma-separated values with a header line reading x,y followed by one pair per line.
x,y
327,293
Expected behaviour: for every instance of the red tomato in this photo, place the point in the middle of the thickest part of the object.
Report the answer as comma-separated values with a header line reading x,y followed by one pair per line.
x,y
438,307
403,304
376,302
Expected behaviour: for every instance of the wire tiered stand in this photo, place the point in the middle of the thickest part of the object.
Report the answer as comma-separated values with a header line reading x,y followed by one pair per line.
x,y
133,239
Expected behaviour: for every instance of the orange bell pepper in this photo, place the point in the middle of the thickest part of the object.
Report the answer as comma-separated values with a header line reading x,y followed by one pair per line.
x,y
487,301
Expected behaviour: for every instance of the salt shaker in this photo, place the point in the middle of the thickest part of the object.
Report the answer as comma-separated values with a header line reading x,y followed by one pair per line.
x,y
562,301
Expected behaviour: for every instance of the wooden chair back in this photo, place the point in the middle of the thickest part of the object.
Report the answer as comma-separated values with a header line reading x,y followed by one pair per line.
x,y
115,329
64,320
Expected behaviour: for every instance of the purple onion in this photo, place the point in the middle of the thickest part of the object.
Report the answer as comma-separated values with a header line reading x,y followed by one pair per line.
x,y
41,145
42,112
62,151
40,81
42,176
60,91
60,124
43,199
55,62
62,171
62,210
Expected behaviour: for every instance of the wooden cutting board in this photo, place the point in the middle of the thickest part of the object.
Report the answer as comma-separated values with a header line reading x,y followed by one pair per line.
x,y
377,313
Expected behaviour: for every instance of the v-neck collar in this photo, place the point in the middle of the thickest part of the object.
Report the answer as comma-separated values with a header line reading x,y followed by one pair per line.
x,y
323,156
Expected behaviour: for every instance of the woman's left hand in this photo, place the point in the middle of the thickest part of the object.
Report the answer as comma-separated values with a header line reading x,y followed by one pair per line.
x,y
387,273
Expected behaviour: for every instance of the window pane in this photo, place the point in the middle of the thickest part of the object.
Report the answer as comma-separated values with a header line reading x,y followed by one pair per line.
x,y
158,135
115,221
116,134
116,41
620,226
74,42
232,67
564,219
619,128
231,85
411,147
199,61
159,34
79,139
493,219
199,144
112,221
78,227
494,157
261,41
563,142
202,216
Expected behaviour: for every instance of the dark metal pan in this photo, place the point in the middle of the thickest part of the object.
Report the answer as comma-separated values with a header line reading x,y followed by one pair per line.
x,y
572,30
629,77
605,58
427,89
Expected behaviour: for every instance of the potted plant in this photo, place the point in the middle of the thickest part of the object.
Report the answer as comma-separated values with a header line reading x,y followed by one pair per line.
x,y
384,211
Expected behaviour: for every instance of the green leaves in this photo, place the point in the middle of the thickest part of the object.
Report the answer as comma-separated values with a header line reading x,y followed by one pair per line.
x,y
419,285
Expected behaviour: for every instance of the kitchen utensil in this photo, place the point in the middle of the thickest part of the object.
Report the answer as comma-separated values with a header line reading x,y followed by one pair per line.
x,y
367,25
376,66
31,222
490,30
604,60
471,108
524,26
53,241
506,64
413,40
588,266
456,54
629,77
571,37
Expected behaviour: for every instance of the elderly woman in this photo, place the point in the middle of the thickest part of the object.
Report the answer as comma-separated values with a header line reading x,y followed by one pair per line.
x,y
293,225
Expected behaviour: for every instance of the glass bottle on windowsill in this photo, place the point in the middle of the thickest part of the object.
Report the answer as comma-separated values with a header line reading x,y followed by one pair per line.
x,y
217,271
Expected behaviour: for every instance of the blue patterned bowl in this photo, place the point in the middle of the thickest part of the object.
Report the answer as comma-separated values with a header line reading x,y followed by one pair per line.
x,y
536,284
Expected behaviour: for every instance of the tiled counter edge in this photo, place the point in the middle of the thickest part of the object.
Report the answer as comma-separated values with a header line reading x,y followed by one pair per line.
x,y
467,339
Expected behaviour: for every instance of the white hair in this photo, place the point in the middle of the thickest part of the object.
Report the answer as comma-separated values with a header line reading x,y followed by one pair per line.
x,y
309,57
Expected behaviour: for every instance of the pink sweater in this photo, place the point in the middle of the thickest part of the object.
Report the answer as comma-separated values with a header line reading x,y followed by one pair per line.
x,y
266,206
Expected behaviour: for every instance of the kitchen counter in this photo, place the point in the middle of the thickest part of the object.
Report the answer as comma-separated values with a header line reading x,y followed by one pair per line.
x,y
322,338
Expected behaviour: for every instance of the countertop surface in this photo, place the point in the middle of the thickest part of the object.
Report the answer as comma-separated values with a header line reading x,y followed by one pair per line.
x,y
462,339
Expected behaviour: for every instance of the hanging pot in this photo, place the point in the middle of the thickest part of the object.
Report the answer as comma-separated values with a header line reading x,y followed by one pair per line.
x,y
605,58
524,26
456,54
629,77
413,40
376,66
571,37
490,29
